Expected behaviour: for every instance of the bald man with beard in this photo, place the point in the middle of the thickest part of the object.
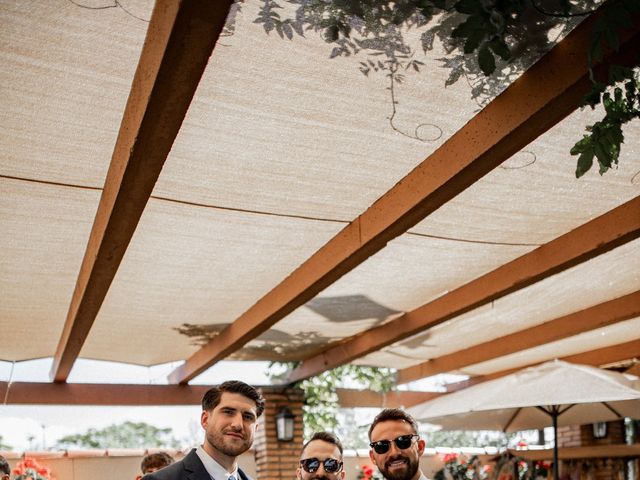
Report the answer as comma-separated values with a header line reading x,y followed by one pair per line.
x,y
321,458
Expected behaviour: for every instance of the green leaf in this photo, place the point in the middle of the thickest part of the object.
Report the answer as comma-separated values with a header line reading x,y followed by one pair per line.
x,y
468,6
603,155
582,145
486,61
473,40
585,162
471,24
500,48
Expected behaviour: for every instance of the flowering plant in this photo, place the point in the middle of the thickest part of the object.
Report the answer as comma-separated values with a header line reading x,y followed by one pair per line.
x,y
458,467
515,468
367,472
30,469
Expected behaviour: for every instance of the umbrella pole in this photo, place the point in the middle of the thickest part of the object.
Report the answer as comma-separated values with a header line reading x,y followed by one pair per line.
x,y
556,467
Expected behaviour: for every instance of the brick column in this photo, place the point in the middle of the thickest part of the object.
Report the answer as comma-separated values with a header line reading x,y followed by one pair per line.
x,y
278,460
582,436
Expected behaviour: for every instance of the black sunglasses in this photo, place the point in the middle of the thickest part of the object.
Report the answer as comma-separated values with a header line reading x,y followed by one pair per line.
x,y
402,442
311,465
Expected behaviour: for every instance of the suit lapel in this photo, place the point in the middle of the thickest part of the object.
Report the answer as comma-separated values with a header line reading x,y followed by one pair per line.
x,y
194,468
243,476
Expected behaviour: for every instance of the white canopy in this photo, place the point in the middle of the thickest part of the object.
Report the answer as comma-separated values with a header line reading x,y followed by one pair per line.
x,y
280,150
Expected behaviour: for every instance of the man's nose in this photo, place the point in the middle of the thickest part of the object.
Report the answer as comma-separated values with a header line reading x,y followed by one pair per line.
x,y
394,448
236,421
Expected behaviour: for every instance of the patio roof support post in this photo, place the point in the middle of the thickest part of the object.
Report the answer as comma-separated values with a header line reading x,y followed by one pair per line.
x,y
556,467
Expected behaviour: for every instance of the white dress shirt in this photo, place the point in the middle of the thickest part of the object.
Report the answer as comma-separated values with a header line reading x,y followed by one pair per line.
x,y
213,468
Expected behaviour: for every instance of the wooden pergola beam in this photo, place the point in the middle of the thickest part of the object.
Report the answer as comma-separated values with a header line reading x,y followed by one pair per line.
x,y
24,393
596,358
179,42
351,398
594,238
591,318
539,99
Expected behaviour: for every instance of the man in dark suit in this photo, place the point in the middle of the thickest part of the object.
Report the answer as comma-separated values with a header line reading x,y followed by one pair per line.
x,y
229,418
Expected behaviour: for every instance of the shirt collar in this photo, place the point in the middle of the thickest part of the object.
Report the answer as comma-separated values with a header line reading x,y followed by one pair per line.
x,y
213,468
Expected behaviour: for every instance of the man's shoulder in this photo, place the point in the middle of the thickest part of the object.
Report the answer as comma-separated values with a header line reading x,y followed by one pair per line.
x,y
176,470
173,471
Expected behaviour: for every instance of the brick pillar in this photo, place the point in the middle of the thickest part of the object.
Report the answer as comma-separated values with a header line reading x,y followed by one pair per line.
x,y
582,436
278,460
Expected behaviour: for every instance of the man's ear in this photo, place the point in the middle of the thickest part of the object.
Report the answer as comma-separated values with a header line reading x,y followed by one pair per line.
x,y
204,418
138,477
298,473
421,445
373,459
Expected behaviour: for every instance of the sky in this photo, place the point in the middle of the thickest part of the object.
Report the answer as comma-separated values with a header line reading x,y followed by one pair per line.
x,y
25,427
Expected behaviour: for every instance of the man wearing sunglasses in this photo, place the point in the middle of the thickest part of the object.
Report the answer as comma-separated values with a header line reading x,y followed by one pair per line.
x,y
321,458
396,447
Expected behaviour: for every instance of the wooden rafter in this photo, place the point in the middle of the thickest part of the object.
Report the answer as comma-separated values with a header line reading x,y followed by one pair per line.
x,y
179,42
20,393
598,236
597,316
544,95
350,398
596,358
23,393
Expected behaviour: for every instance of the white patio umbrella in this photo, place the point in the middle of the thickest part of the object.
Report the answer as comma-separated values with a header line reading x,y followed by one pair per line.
x,y
568,393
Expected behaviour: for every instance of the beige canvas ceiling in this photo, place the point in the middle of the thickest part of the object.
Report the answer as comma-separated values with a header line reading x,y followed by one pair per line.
x,y
281,148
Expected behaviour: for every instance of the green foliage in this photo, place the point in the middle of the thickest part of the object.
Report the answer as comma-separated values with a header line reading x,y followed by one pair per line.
x,y
620,96
4,446
125,435
492,38
321,401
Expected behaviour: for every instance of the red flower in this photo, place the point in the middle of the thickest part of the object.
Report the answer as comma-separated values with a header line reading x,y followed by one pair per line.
x,y
30,469
450,457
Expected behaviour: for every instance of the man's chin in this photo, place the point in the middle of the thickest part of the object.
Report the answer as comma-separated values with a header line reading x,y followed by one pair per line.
x,y
234,450
398,473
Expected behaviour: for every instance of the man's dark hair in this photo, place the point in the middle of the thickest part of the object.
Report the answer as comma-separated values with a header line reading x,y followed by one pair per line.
x,y
325,437
4,466
211,399
156,460
393,414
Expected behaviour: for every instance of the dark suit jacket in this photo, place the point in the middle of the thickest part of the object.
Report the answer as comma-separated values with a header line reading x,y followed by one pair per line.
x,y
189,468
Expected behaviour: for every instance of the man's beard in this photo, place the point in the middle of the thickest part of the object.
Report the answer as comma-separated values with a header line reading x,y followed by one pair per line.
x,y
411,467
318,477
223,444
